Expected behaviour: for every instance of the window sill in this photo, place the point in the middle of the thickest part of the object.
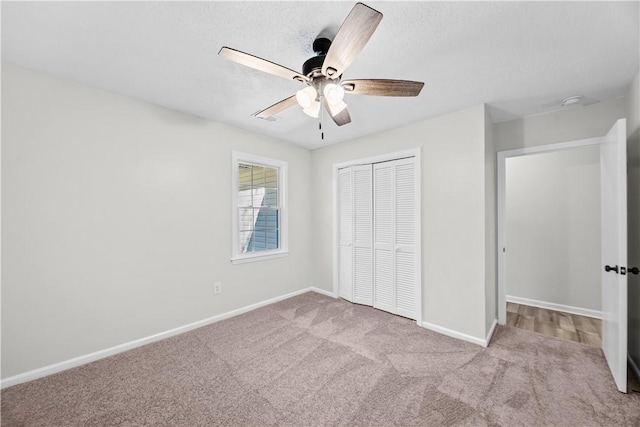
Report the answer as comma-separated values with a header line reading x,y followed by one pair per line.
x,y
255,258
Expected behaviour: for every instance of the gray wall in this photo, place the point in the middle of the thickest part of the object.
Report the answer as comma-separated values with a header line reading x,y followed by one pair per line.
x,y
116,220
565,125
116,215
633,161
552,227
453,212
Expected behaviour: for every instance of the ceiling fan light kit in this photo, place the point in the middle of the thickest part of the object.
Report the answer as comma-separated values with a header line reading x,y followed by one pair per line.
x,y
336,108
334,93
306,96
323,73
313,110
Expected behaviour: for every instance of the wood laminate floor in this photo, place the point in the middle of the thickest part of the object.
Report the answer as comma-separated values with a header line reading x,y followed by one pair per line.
x,y
573,327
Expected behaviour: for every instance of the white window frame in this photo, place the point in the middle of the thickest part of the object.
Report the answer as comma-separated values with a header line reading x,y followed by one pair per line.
x,y
283,239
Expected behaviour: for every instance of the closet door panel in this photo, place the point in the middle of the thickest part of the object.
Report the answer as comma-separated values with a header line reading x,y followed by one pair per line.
x,y
377,236
363,276
383,205
405,203
383,202
346,273
363,234
345,234
405,292
405,239
384,295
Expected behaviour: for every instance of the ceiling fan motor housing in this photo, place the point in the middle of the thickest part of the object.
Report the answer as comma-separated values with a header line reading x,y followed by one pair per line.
x,y
320,47
312,64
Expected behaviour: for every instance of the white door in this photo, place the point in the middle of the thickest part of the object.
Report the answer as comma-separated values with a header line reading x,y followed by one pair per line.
x,y
613,164
395,284
406,294
362,234
345,234
384,236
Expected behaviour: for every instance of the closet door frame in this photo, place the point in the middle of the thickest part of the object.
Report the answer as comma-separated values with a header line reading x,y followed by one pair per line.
x,y
415,153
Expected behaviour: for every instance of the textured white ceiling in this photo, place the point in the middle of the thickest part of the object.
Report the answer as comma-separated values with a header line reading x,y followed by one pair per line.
x,y
520,58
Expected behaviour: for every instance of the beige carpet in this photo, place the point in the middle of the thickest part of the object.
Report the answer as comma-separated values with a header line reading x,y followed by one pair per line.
x,y
313,360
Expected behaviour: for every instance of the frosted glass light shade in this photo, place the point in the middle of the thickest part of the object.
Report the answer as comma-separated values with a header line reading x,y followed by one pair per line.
x,y
334,93
306,96
337,107
313,110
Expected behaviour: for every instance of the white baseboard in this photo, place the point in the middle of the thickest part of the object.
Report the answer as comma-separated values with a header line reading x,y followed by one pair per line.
x,y
556,307
492,329
634,366
101,354
322,292
455,334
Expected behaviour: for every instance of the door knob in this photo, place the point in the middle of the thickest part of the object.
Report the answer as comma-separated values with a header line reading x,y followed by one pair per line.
x,y
633,270
608,268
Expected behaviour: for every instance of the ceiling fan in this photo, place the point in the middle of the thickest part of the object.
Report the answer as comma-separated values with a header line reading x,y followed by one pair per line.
x,y
323,73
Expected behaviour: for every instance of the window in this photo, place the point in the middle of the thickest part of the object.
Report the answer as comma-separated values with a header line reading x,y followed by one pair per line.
x,y
259,212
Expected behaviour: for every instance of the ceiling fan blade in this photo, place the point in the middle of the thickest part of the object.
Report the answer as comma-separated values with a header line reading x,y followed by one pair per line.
x,y
339,115
261,64
382,87
277,107
355,32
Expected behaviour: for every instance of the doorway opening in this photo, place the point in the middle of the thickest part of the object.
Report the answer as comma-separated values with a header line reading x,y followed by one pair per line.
x,y
611,265
552,229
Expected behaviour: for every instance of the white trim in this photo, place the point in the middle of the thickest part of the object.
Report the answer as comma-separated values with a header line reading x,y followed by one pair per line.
x,y
260,256
553,147
418,224
283,241
322,292
101,354
492,329
413,152
455,334
596,314
502,157
336,237
634,366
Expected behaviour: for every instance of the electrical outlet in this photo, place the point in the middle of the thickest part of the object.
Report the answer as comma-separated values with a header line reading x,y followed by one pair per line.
x,y
217,288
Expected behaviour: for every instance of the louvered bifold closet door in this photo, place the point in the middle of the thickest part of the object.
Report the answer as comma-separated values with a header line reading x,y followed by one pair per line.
x,y
394,207
384,236
362,234
406,303
345,233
